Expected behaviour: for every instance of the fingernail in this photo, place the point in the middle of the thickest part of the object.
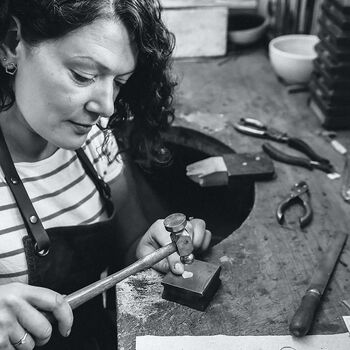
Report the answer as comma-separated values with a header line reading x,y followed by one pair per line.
x,y
68,332
178,267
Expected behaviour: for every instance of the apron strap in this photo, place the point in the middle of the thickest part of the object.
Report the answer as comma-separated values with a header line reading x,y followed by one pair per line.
x,y
31,219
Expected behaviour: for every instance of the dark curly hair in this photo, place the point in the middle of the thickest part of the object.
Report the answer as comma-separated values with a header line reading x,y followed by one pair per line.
x,y
143,107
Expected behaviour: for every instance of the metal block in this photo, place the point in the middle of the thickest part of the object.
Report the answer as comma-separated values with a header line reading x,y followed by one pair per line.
x,y
196,291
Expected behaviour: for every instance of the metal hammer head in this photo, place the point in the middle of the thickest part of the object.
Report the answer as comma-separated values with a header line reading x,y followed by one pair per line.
x,y
176,224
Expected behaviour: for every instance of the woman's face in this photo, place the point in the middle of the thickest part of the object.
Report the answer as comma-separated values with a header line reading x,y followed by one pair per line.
x,y
63,87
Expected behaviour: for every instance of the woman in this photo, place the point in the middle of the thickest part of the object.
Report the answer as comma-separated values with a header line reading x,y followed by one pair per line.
x,y
71,70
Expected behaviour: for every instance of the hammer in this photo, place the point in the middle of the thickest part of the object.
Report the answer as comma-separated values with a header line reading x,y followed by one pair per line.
x,y
181,243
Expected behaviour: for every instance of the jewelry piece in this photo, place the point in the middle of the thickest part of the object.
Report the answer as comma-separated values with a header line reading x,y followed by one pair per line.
x,y
11,68
4,58
22,340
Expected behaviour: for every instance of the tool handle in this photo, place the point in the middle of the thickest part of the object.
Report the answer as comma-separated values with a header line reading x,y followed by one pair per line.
x,y
248,130
276,154
307,216
304,316
253,122
83,295
303,147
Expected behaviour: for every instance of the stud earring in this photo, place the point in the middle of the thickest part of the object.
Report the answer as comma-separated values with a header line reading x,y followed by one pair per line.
x,y
4,58
11,68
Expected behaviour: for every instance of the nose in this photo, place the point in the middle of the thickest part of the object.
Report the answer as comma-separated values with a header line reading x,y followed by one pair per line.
x,y
102,99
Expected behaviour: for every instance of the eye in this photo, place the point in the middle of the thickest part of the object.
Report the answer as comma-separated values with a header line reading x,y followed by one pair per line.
x,y
81,79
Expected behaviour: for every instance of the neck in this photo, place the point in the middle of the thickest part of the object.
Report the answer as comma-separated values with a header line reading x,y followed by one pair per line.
x,y
24,144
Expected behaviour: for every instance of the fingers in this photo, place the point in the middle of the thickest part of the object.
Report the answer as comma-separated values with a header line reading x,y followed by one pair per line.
x,y
22,322
198,229
20,339
157,237
201,238
33,321
48,300
172,263
162,266
206,241
175,264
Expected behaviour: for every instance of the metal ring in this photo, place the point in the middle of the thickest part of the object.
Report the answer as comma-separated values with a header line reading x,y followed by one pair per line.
x,y
42,252
22,340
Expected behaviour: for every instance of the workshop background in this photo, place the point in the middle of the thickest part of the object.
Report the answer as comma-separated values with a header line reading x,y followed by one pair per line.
x,y
278,70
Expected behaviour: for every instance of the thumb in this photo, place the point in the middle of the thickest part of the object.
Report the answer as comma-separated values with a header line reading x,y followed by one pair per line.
x,y
161,266
175,264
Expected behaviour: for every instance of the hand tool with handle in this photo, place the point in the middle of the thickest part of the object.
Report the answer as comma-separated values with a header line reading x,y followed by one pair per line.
x,y
254,127
304,316
307,163
181,243
298,193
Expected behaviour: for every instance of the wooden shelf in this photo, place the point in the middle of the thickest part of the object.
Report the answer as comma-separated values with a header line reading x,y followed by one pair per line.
x,y
244,4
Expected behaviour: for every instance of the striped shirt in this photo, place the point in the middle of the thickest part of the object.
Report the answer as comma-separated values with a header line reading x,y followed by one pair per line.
x,y
62,195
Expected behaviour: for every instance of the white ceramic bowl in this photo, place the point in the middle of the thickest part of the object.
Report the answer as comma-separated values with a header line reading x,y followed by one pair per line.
x,y
291,57
246,28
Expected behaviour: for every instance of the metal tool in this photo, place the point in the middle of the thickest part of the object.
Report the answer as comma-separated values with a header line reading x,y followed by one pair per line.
x,y
298,193
197,291
303,318
254,127
181,243
310,164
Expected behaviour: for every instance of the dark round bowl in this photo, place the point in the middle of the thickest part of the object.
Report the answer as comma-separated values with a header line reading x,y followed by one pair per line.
x,y
244,21
246,28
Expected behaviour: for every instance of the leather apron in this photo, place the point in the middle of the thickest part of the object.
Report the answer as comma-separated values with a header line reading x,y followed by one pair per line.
x,y
66,259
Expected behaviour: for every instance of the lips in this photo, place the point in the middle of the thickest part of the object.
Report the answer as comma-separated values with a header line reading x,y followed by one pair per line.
x,y
81,128
82,124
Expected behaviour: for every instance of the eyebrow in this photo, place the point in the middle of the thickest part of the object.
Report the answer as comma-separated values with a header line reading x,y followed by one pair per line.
x,y
102,66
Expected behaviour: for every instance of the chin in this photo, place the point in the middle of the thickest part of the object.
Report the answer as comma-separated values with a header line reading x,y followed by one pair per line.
x,y
73,143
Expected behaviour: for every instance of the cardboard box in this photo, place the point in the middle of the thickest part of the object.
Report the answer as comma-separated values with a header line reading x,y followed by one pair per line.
x,y
200,27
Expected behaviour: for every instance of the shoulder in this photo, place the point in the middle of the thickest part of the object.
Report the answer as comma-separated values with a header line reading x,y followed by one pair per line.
x,y
102,151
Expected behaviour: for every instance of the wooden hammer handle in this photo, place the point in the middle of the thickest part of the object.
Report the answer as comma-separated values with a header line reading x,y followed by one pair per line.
x,y
81,296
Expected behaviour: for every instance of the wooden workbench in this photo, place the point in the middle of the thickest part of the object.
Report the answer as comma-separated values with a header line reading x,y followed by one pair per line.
x,y
267,267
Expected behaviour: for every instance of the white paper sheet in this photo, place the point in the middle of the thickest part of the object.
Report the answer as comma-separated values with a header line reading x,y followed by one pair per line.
x,y
223,342
347,322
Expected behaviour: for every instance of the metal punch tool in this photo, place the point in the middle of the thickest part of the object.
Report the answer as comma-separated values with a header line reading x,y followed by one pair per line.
x,y
298,193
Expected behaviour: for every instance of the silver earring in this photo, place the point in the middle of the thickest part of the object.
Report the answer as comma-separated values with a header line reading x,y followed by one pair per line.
x,y
11,68
4,58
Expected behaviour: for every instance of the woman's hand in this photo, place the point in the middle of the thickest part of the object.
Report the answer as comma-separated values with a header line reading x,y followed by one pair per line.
x,y
19,314
156,237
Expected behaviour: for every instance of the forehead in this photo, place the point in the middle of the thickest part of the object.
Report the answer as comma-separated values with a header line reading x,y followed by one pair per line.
x,y
106,42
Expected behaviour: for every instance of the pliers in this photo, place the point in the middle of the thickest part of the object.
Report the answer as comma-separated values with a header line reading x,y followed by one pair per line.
x,y
299,192
254,127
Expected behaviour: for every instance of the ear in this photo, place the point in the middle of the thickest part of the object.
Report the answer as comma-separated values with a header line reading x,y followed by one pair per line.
x,y
8,47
